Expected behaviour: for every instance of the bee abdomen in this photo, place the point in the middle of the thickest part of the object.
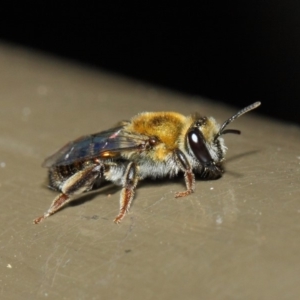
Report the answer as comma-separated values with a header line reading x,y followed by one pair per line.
x,y
59,174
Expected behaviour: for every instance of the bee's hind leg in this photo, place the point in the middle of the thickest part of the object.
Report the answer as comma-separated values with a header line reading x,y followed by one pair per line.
x,y
61,200
127,193
78,183
189,176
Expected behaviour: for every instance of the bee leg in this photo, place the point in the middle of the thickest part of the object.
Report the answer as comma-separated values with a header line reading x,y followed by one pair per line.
x,y
127,193
189,176
78,183
61,200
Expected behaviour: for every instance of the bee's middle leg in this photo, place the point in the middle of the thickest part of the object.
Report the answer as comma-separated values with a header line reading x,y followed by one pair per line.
x,y
129,185
189,176
78,183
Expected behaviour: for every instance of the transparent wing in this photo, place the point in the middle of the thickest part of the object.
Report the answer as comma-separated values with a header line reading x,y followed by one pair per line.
x,y
105,144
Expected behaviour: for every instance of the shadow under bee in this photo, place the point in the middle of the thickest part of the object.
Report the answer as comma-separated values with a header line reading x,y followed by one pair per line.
x,y
237,157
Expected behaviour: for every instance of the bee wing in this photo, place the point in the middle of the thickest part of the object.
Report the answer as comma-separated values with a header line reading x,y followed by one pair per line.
x,y
104,145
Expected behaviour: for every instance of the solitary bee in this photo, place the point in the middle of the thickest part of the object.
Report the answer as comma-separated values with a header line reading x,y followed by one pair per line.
x,y
152,144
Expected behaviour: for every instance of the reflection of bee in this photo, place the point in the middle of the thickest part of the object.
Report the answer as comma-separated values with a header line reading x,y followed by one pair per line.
x,y
155,144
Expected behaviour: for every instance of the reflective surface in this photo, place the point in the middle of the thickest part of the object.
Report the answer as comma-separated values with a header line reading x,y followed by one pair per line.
x,y
234,238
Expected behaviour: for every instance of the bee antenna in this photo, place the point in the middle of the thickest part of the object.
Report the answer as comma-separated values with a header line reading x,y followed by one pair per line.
x,y
231,119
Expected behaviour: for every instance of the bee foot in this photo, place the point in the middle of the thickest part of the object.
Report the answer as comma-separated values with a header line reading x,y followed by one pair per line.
x,y
183,194
118,219
38,220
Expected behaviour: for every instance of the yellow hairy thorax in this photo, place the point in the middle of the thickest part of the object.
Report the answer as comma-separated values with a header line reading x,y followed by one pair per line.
x,y
167,127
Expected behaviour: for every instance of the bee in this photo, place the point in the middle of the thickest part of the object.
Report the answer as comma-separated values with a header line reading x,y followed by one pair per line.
x,y
151,144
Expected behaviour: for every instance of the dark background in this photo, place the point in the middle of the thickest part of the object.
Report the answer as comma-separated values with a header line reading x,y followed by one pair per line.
x,y
237,52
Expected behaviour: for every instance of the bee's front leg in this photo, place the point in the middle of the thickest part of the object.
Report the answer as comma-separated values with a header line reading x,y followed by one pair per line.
x,y
129,185
78,183
189,176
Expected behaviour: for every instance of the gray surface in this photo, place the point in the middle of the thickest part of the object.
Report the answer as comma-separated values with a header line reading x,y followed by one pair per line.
x,y
234,238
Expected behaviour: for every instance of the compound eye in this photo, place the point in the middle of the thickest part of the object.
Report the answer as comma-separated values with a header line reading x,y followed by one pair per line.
x,y
198,147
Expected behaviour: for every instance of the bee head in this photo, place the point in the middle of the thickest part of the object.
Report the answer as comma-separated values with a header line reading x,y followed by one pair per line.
x,y
204,139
